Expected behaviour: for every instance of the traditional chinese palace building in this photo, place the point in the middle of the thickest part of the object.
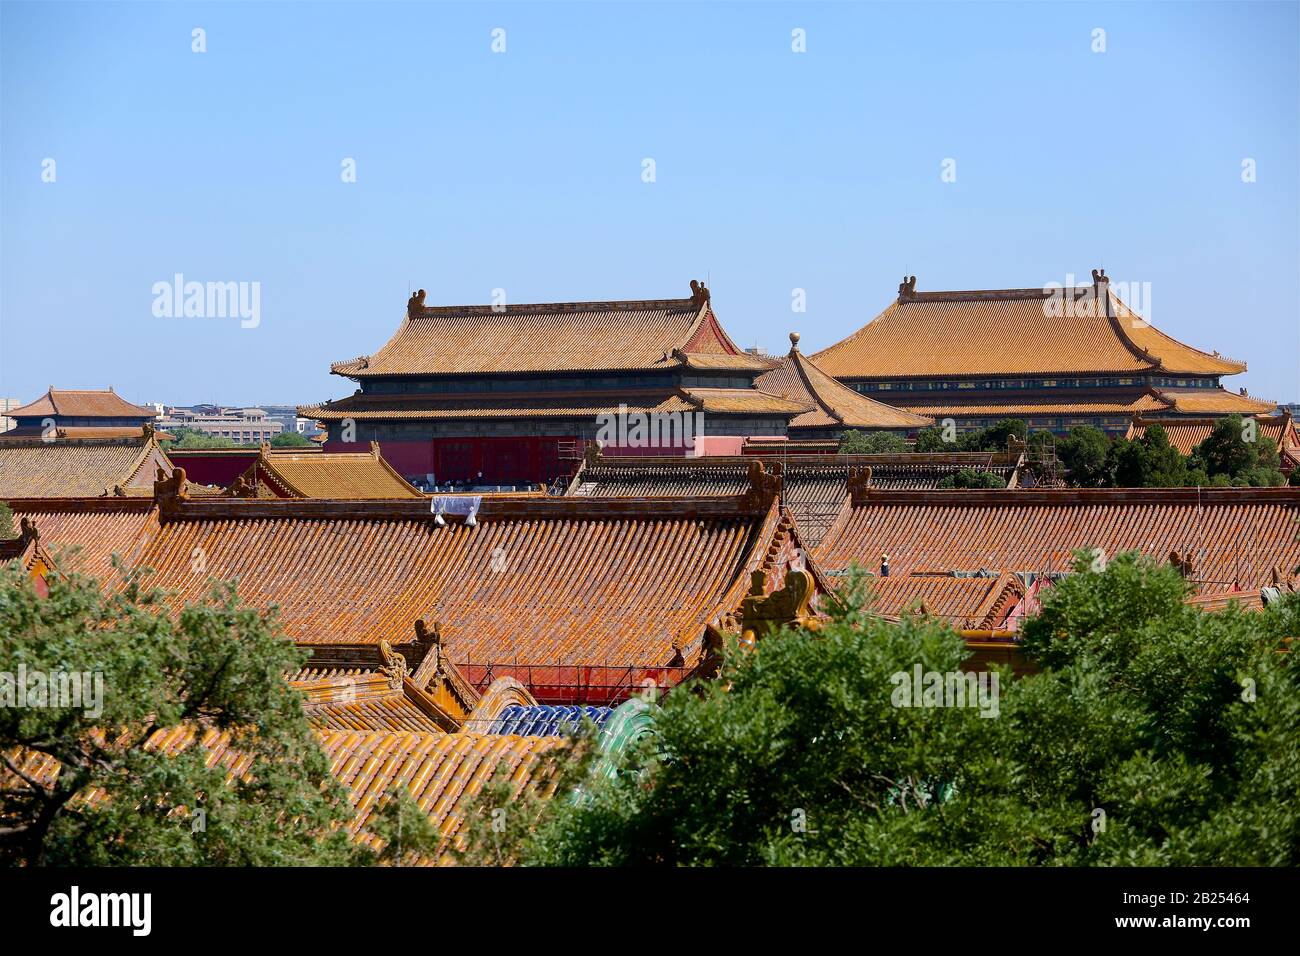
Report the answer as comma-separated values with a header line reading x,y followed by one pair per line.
x,y
1056,358
512,393
69,413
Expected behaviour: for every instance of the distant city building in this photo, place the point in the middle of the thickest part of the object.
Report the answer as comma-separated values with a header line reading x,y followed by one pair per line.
x,y
6,404
73,413
244,426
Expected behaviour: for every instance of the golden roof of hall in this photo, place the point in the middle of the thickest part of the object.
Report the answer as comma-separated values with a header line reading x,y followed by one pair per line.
x,y
316,474
1045,331
799,378
60,467
494,339
81,403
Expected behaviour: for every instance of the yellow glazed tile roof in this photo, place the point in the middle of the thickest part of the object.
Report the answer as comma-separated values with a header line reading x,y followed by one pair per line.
x,y
831,403
1011,332
604,336
78,467
350,476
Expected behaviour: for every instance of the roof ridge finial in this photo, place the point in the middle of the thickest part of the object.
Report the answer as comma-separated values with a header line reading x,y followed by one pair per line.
x,y
415,303
699,293
794,341
907,288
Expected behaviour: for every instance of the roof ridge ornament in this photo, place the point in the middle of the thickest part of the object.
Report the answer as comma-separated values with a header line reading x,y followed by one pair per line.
x,y
786,606
764,486
395,667
169,490
415,303
859,481
907,288
699,294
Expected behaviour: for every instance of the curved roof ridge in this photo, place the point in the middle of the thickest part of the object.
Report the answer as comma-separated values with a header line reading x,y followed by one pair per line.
x,y
1230,366
1011,332
833,402
548,308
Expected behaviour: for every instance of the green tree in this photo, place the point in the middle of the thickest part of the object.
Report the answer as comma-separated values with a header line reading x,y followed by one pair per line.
x,y
1084,454
1154,734
1225,451
219,666
289,440
853,442
971,478
1147,462
193,438
994,438
7,527
1234,449
930,441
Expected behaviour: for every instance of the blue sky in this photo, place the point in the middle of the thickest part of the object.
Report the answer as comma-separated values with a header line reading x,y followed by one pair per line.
x,y
522,171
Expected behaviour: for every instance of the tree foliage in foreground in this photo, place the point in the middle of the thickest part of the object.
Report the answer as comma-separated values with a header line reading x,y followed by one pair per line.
x,y
1155,734
216,665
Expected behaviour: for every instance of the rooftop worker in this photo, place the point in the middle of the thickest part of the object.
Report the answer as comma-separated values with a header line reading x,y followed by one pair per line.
x,y
884,565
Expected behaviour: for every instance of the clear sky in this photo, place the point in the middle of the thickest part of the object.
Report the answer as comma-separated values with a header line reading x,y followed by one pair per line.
x,y
523,171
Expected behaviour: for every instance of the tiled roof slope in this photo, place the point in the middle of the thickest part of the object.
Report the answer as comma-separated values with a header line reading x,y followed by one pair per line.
x,y
75,403
83,534
78,467
532,581
964,602
1234,536
1150,401
371,704
1100,403
605,336
314,474
833,404
443,772
1010,332
813,487
1213,401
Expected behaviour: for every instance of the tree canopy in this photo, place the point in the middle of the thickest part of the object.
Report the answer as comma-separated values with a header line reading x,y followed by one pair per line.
x,y
193,438
854,442
1154,734
218,666
1234,454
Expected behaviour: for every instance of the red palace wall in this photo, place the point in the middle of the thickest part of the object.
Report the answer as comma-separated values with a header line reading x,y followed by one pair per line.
x,y
215,469
499,460
512,460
